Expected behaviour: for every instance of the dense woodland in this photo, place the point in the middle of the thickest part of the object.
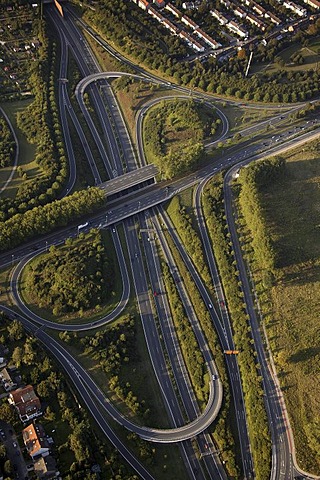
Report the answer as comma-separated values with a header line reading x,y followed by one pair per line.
x,y
76,277
147,43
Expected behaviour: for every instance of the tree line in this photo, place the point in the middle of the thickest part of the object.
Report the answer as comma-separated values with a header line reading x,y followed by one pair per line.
x,y
255,176
46,218
7,144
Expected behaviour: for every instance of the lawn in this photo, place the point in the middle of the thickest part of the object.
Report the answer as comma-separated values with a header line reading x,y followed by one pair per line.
x,y
293,321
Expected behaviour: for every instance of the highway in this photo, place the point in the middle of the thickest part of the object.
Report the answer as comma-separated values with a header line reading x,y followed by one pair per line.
x,y
136,213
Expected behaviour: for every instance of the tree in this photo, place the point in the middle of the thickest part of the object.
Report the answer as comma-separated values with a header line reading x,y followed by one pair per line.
x,y
17,356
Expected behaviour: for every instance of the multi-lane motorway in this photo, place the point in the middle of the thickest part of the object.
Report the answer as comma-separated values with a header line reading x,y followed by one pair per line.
x,y
137,211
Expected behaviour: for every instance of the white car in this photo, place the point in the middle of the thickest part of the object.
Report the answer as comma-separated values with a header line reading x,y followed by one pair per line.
x,y
210,306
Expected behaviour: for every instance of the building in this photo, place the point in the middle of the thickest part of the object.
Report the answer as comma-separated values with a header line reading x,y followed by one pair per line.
x,y
258,9
207,39
239,12
6,379
172,9
45,467
26,403
255,21
313,3
234,27
191,41
35,440
218,15
159,3
273,18
170,26
189,22
155,14
302,12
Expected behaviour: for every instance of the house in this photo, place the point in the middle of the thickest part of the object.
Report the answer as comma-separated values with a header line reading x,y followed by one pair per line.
x,y
6,379
155,14
258,9
207,39
190,23
191,41
313,3
26,403
273,18
45,467
218,15
3,362
172,9
159,3
255,21
239,12
302,12
35,440
234,27
170,26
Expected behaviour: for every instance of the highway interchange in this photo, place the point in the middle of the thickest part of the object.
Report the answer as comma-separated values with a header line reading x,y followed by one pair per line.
x,y
144,209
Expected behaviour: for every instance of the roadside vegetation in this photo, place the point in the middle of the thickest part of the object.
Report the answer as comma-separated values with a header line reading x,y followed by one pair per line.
x,y
289,300
44,219
223,430
249,368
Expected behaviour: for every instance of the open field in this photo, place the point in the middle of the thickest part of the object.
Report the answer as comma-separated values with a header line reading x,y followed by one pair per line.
x,y
293,316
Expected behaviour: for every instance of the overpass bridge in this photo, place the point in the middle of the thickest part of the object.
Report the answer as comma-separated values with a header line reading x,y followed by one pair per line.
x,y
130,182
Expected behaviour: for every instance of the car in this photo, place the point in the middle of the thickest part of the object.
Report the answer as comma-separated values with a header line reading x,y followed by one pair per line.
x,y
155,294
15,444
114,230
222,303
209,305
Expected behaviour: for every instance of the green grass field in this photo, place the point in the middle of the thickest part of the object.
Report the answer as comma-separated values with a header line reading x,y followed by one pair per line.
x,y
293,320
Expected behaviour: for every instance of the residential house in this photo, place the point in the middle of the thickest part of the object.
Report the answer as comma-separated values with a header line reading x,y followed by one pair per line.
x,y
45,467
170,26
191,41
313,3
218,15
239,12
255,21
35,440
172,9
302,12
8,382
3,362
273,18
189,22
207,39
26,402
159,3
236,28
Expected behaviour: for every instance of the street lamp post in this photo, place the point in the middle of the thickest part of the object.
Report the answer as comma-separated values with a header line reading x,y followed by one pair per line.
x,y
12,259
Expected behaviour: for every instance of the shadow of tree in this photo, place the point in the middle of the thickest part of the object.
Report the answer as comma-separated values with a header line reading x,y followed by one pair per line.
x,y
304,354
